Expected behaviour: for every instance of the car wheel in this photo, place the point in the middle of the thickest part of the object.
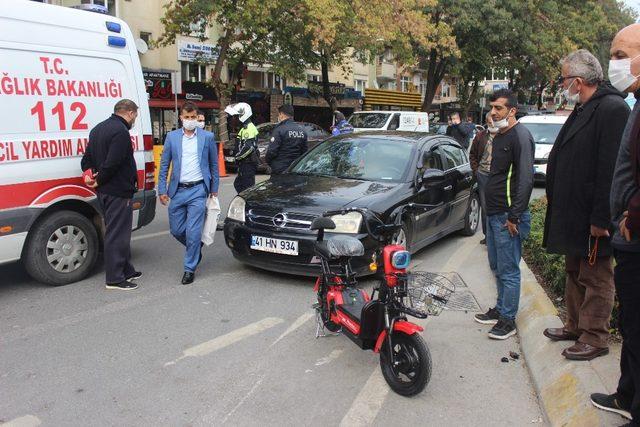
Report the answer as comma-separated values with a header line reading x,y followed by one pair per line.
x,y
62,248
472,219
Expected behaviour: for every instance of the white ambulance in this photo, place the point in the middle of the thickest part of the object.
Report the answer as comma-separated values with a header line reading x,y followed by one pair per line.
x,y
61,72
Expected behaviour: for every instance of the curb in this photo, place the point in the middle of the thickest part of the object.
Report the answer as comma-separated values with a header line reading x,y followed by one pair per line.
x,y
563,387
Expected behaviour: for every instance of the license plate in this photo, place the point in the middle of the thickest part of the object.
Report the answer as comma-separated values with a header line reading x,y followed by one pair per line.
x,y
230,159
276,246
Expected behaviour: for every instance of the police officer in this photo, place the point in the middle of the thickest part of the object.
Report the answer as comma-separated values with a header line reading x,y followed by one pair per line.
x,y
288,141
246,149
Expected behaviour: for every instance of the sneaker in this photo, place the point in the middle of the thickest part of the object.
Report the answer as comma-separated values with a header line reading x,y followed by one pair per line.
x,y
125,285
609,402
489,318
135,276
503,329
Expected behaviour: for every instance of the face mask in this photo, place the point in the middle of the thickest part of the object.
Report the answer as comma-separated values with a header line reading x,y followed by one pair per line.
x,y
568,96
501,124
620,73
200,125
493,129
189,124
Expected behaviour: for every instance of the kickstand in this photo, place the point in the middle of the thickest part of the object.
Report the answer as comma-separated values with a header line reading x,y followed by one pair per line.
x,y
320,329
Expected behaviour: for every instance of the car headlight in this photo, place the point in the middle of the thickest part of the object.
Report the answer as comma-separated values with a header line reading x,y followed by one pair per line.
x,y
347,223
236,209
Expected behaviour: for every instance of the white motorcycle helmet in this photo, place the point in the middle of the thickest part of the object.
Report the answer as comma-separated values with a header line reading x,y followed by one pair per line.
x,y
241,109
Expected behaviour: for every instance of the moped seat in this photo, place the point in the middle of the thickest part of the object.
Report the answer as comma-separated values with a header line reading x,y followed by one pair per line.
x,y
339,246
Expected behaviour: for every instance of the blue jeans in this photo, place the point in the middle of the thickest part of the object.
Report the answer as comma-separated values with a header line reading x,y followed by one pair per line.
x,y
186,219
504,259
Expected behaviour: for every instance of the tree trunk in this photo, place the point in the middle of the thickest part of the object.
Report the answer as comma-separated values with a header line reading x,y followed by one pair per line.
x,y
435,74
220,89
471,99
326,87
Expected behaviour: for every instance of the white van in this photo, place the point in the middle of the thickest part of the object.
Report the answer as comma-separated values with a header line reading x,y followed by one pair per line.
x,y
389,120
62,72
545,129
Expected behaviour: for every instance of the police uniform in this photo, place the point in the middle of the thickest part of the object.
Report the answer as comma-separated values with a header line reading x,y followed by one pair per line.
x,y
246,156
288,142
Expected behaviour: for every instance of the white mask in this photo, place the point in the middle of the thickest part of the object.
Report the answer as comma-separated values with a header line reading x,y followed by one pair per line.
x,y
493,129
189,124
620,74
571,97
501,124
200,125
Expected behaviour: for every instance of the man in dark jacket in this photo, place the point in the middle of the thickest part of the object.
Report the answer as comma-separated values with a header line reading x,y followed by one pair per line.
x,y
111,170
480,159
624,69
288,141
508,220
577,224
461,132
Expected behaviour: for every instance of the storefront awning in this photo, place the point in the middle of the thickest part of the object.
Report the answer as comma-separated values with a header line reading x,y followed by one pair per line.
x,y
170,104
392,98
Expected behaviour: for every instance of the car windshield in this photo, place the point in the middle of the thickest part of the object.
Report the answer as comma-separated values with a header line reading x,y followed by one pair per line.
x,y
358,158
544,133
368,120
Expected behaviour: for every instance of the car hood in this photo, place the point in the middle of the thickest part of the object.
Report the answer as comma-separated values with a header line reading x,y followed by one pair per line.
x,y
315,194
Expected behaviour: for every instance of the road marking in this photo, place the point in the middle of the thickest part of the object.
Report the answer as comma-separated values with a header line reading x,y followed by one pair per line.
x,y
460,255
244,399
330,358
150,235
26,421
228,339
295,325
367,404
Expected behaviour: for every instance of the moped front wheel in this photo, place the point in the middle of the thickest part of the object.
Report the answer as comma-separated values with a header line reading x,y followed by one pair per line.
x,y
409,371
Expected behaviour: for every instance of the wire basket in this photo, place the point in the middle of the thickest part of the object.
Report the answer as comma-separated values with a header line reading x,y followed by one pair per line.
x,y
428,293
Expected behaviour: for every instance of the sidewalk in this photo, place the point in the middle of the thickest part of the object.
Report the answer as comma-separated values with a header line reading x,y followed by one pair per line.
x,y
563,387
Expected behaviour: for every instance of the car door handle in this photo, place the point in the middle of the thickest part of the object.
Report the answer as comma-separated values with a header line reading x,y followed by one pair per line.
x,y
448,187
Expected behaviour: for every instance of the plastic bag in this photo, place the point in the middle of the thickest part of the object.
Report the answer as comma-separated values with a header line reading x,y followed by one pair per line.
x,y
211,221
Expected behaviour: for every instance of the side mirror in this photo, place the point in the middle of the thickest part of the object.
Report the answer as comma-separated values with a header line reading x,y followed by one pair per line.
x,y
432,177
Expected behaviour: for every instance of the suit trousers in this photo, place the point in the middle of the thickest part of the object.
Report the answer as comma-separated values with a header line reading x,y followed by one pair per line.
x,y
589,297
186,219
627,279
118,220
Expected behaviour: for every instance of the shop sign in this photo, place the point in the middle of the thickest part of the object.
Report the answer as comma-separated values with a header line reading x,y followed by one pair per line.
x,y
197,52
337,89
158,84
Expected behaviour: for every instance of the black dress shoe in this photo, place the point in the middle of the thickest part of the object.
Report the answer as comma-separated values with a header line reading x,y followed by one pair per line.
x,y
188,278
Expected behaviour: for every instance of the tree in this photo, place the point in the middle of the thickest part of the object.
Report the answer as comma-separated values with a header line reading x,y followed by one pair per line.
x,y
340,30
256,31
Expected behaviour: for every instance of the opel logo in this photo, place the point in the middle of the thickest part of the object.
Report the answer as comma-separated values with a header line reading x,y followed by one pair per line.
x,y
280,220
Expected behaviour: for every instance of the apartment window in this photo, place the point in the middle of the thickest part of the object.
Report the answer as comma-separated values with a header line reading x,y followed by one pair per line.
x,y
193,72
314,78
423,88
445,90
404,83
388,55
360,85
109,4
146,37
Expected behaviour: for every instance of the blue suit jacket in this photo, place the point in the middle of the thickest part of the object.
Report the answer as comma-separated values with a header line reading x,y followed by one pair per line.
x,y
172,153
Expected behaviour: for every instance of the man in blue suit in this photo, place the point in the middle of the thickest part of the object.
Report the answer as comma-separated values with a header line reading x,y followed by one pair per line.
x,y
192,153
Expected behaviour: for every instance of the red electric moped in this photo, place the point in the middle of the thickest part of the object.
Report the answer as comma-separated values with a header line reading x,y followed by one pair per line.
x,y
379,322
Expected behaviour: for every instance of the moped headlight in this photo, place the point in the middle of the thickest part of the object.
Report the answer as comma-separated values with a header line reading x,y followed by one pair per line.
x,y
347,223
236,209
401,259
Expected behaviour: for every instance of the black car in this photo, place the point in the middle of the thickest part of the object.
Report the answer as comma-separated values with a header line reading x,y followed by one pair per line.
x,y
315,135
268,225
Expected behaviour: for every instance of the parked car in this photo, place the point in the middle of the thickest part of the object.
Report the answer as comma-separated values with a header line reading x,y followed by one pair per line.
x,y
545,129
389,120
268,226
315,135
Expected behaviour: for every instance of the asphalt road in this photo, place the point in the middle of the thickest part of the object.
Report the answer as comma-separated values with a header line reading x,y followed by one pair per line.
x,y
238,348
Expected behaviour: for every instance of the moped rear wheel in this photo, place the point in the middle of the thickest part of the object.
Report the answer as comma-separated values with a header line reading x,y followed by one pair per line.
x,y
412,370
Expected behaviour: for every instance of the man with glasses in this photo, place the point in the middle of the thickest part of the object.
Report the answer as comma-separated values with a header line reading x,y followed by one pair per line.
x,y
577,224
